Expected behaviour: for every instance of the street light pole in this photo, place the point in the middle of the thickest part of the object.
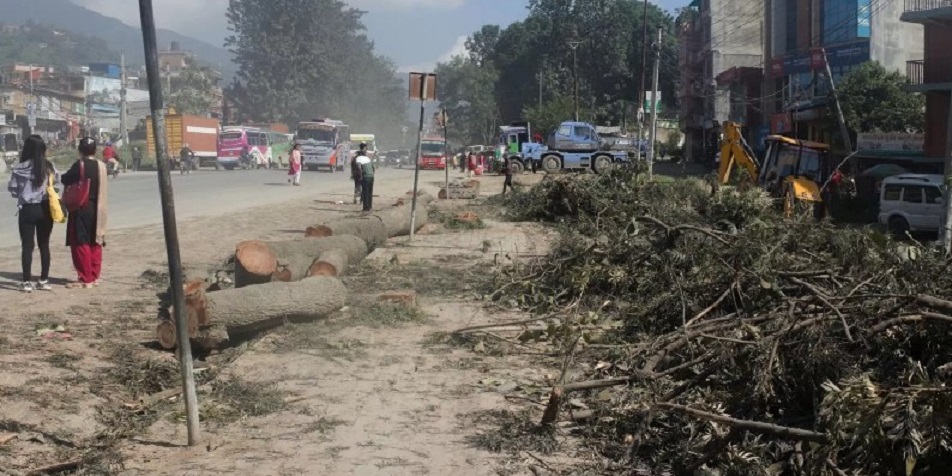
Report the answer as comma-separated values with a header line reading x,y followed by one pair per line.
x,y
574,45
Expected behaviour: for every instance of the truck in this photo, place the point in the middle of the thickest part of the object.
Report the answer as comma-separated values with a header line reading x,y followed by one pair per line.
x,y
516,143
200,133
432,152
325,143
9,144
576,145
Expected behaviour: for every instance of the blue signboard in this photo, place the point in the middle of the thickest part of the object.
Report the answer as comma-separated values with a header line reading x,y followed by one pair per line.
x,y
863,13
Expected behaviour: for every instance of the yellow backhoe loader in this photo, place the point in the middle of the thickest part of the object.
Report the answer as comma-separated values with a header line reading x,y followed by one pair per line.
x,y
792,170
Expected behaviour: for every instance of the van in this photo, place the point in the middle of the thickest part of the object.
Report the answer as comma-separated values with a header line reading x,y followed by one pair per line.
x,y
912,202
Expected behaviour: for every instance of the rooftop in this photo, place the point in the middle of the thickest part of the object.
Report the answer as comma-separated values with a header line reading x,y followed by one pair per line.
x,y
927,11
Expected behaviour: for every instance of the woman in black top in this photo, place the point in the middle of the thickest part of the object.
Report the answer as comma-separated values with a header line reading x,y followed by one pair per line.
x,y
85,229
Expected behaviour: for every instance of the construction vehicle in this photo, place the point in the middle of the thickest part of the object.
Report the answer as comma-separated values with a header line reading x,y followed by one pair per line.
x,y
577,145
793,170
516,143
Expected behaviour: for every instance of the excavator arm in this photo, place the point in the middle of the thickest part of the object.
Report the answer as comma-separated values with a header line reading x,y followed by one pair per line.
x,y
735,150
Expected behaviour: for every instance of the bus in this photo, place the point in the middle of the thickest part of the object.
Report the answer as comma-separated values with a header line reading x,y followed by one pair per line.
x,y
433,152
280,147
325,143
369,139
235,140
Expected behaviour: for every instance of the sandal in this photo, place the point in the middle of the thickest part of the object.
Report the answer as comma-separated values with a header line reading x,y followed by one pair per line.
x,y
78,285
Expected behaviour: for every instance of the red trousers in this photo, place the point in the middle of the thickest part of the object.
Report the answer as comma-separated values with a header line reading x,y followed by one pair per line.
x,y
87,259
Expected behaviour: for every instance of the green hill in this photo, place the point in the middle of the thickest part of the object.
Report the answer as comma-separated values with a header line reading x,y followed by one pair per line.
x,y
45,45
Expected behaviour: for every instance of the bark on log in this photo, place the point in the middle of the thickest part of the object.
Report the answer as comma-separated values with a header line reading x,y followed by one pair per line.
x,y
459,193
255,263
296,257
331,263
369,229
247,311
397,219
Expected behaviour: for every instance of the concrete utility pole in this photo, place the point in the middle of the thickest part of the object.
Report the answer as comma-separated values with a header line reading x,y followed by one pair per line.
x,y
123,118
574,45
147,18
644,61
654,106
947,221
839,111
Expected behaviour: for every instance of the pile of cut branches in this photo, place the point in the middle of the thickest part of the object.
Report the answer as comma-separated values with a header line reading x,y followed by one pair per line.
x,y
748,344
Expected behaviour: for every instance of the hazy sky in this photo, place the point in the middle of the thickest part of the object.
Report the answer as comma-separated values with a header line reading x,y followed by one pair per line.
x,y
414,33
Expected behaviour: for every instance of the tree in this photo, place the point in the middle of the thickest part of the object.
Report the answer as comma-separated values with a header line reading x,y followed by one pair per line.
x,y
546,118
874,99
195,91
467,93
311,58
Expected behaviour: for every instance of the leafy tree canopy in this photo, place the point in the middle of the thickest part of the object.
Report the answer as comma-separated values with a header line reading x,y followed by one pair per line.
x,y
194,91
874,99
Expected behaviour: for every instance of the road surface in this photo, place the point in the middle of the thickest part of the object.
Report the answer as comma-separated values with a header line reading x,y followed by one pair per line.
x,y
134,198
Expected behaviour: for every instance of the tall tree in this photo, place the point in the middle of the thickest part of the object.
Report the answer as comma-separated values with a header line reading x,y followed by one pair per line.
x,y
467,93
195,90
876,100
309,58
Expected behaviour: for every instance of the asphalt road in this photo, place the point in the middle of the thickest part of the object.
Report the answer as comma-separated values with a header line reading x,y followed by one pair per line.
x,y
134,198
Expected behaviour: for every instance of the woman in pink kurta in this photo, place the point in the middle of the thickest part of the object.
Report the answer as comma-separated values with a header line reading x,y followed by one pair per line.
x,y
295,169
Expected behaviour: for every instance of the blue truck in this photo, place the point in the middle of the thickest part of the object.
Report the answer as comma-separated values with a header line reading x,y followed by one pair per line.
x,y
577,145
573,145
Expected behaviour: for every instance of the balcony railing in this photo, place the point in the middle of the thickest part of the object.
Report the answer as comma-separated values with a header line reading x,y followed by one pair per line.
x,y
929,71
925,5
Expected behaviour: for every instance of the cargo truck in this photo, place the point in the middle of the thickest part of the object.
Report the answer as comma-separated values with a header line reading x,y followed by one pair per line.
x,y
200,133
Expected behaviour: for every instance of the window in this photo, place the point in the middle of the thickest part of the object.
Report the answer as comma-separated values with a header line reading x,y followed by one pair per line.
x,y
912,194
839,21
892,193
565,130
583,132
263,139
253,139
791,25
933,195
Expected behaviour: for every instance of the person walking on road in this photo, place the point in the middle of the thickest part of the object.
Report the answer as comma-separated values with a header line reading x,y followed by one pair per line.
x,y
507,170
366,179
294,165
355,175
187,157
86,227
136,158
28,185
471,165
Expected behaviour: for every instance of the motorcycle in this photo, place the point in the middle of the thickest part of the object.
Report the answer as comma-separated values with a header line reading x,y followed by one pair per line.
x,y
112,168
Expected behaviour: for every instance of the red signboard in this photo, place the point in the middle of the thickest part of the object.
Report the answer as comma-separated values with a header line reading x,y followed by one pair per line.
x,y
781,123
776,67
816,59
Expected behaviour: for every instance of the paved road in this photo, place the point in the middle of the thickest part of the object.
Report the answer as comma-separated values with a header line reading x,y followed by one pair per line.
x,y
134,198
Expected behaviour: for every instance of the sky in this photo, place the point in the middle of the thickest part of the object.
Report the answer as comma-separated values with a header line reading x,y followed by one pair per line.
x,y
415,34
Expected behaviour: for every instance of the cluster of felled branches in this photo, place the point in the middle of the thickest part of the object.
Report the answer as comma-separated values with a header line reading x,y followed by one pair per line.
x,y
750,344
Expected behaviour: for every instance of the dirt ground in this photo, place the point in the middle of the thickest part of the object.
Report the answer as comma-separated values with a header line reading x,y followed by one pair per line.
x,y
374,390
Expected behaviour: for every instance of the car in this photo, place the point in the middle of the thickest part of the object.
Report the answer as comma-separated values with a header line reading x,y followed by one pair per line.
x,y
911,203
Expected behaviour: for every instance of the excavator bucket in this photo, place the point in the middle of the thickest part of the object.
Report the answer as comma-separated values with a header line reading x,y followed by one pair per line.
x,y
804,189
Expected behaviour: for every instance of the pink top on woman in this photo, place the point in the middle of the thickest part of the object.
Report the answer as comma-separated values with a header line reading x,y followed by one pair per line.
x,y
295,162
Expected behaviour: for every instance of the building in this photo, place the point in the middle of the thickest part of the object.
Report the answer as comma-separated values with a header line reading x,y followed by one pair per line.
x,y
49,113
174,60
803,36
931,73
716,36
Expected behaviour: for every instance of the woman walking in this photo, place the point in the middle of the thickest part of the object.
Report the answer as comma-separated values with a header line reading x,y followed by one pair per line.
x,y
471,165
294,170
86,228
28,185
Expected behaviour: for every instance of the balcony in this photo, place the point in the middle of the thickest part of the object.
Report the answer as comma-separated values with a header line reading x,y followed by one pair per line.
x,y
922,11
933,74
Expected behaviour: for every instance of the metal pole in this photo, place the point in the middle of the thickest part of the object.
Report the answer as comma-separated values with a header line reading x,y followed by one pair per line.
x,y
123,115
575,68
644,62
947,222
540,90
654,106
168,218
446,153
416,168
839,112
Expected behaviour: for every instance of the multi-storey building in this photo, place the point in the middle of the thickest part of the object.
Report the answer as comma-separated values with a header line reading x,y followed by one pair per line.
x,y
931,73
720,36
802,36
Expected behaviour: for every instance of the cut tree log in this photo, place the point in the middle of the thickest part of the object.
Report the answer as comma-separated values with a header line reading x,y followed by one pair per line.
x,y
397,219
369,229
295,258
331,263
255,263
237,313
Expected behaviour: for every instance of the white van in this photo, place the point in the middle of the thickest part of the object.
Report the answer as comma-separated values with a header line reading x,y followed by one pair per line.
x,y
911,202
